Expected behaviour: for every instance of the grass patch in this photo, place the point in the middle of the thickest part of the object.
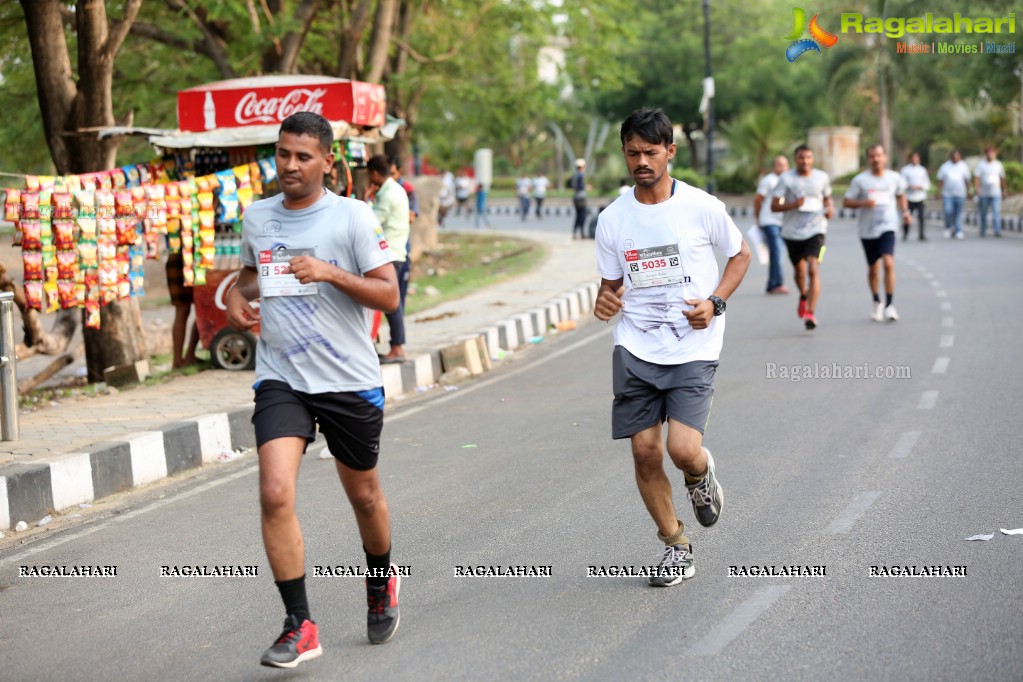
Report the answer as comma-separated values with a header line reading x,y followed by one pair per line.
x,y
462,263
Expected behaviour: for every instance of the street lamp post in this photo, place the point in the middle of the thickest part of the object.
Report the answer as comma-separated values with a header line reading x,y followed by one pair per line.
x,y
710,100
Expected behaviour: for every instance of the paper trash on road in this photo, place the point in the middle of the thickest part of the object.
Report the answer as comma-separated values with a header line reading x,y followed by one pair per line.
x,y
1014,531
980,537
43,521
22,526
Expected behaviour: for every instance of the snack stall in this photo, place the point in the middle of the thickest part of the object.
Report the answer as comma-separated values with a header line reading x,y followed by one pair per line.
x,y
226,135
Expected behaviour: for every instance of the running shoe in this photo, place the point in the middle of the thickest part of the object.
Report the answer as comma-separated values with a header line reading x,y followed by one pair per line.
x,y
891,314
298,642
707,496
810,320
878,313
960,235
948,234
801,311
383,616
675,566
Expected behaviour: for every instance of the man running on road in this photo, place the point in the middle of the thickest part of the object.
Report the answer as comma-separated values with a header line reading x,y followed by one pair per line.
x,y
655,253
803,194
314,260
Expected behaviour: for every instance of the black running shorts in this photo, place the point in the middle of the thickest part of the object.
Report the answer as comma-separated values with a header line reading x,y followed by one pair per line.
x,y
800,249
873,249
350,422
646,394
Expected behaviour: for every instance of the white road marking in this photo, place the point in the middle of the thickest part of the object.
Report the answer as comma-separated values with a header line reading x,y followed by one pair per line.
x,y
941,293
848,517
946,305
947,341
940,365
947,322
904,445
927,400
735,623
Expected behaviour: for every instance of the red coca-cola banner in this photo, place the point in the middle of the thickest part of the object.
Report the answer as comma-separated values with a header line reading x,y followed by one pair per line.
x,y
268,100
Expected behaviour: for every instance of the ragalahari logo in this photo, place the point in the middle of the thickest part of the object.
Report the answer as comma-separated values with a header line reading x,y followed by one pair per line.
x,y
818,36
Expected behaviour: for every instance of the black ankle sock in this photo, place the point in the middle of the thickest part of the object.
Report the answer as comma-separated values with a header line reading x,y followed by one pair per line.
x,y
888,299
378,563
877,298
293,595
802,297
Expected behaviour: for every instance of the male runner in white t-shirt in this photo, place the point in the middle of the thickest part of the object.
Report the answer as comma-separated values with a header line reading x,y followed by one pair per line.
x,y
655,253
315,261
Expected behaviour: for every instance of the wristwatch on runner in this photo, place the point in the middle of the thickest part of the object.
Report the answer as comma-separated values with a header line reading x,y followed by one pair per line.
x,y
719,305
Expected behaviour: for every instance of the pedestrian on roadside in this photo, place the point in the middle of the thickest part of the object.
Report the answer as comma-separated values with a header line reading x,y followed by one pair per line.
x,y
803,195
770,224
540,185
954,186
917,182
182,353
391,206
315,261
446,199
523,186
577,183
656,256
481,206
880,194
989,182
463,188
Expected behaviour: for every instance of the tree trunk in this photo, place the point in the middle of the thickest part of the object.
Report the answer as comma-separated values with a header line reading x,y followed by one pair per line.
x,y
351,40
380,42
66,106
120,339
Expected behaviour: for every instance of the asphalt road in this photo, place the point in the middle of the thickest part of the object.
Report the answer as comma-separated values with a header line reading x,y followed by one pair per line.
x,y
519,469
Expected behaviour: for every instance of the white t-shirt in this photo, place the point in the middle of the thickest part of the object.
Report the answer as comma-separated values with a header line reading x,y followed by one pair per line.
x,y
665,254
954,177
316,343
540,186
990,174
916,176
522,186
808,220
884,217
765,188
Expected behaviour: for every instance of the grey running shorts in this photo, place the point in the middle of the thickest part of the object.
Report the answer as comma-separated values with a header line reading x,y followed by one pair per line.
x,y
646,394
350,422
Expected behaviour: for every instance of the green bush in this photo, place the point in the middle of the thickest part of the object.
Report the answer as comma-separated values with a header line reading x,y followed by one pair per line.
x,y
738,181
1013,176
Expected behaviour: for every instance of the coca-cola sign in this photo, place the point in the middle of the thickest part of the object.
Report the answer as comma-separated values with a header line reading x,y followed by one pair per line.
x,y
270,99
254,109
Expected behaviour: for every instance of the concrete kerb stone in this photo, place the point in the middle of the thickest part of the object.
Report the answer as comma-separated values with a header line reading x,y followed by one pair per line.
x,y
508,335
71,480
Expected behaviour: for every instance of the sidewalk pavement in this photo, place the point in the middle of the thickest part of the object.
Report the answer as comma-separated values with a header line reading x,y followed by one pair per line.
x,y
86,449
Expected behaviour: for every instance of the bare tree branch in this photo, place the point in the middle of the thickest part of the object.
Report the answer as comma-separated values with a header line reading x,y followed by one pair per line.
x,y
119,29
380,41
215,43
471,31
292,43
351,40
203,47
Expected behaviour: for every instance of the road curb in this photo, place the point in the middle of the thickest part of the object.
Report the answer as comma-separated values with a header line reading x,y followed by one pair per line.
x,y
29,492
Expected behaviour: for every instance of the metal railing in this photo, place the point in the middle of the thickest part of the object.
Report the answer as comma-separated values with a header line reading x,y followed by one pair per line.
x,y
8,369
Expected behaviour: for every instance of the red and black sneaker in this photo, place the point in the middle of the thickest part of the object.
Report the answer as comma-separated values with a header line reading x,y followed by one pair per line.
x,y
801,311
298,642
383,616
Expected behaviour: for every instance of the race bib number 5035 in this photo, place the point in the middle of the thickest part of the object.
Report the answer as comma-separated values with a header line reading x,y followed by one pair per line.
x,y
654,266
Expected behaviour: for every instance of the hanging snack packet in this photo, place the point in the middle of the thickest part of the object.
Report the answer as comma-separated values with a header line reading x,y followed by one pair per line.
x,y
139,202
52,297
245,199
79,294
85,202
34,294
127,233
12,205
64,234
33,264
268,169
30,204
87,229
88,255
32,183
66,294
62,207
229,208
205,201
117,179
227,181
92,314
67,264
31,233
74,183
122,203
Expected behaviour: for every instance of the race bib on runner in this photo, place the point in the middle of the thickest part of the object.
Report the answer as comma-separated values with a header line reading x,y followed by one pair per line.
x,y
275,277
881,197
655,266
811,205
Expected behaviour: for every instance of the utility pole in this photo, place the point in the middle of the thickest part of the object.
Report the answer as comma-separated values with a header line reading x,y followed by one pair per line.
x,y
708,92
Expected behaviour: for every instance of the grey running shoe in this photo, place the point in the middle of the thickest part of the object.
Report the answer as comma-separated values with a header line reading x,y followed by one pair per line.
x,y
707,496
675,566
